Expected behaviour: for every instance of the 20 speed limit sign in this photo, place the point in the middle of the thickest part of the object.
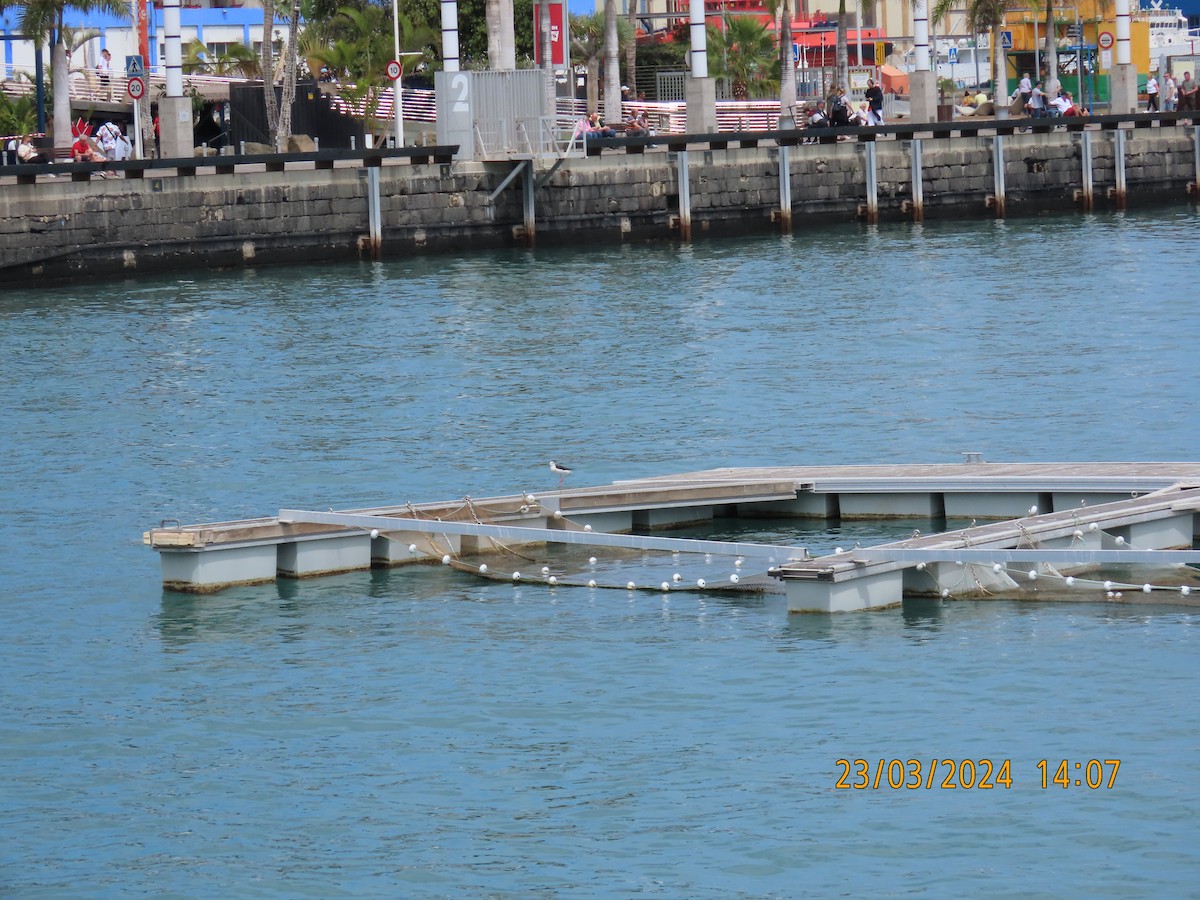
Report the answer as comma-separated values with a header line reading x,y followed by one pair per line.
x,y
394,70
136,88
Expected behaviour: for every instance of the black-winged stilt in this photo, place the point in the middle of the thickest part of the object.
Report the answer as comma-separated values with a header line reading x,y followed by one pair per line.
x,y
560,470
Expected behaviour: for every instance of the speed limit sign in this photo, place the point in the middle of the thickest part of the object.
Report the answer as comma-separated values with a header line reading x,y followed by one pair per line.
x,y
394,70
136,88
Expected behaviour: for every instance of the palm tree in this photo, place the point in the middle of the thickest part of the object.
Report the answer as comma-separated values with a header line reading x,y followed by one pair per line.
x,y
631,46
787,66
267,66
1051,55
744,54
237,60
612,66
587,45
42,18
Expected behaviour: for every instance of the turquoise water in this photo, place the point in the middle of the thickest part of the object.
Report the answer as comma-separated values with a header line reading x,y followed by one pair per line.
x,y
418,733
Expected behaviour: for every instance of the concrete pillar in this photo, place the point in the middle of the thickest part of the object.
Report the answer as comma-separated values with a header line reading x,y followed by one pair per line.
x,y
207,571
922,83
174,110
701,90
1123,77
864,592
325,557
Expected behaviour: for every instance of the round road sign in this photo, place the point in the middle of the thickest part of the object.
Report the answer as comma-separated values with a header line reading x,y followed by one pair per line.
x,y
394,70
1105,40
136,88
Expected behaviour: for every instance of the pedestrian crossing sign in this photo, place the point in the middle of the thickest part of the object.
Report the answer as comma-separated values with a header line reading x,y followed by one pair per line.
x,y
1006,40
952,55
134,68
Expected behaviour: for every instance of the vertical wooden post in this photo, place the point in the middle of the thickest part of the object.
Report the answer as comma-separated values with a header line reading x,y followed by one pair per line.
x,y
685,197
1119,192
785,191
872,182
1085,158
918,181
998,175
374,217
529,183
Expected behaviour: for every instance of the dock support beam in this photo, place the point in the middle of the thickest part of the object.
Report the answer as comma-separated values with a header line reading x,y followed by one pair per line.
x,y
872,168
1085,196
529,185
785,191
916,206
1194,186
374,212
1119,194
996,201
685,197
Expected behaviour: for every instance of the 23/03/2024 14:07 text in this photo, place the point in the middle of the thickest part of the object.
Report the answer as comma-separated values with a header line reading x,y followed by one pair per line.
x,y
967,774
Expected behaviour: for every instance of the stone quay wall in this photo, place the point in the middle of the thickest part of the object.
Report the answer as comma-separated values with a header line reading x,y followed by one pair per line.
x,y
59,228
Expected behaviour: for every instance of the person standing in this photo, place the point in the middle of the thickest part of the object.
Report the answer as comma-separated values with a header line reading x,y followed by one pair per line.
x,y
1187,92
1151,93
1026,89
104,72
1037,102
1170,92
874,97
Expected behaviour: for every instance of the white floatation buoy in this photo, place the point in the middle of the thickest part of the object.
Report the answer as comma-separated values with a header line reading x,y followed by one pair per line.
x,y
446,560
734,578
738,562
677,578
591,582
483,568
529,498
587,527
553,579
374,533
1146,588
545,570
945,593
920,567
1093,527
701,583
996,567
665,586
516,576
630,586
558,514
412,548
592,560
1119,540
1185,590
1069,580
1108,585
1033,574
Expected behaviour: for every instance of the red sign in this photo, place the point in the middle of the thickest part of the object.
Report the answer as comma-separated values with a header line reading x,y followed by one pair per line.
x,y
558,33
1105,40
136,88
394,69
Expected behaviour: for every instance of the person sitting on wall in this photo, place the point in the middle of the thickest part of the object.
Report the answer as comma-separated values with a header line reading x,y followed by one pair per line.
x,y
1064,104
83,150
29,154
637,126
597,128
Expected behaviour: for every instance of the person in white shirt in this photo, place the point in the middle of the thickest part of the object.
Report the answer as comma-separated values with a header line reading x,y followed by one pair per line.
x,y
1151,93
1037,102
1169,92
104,72
1064,104
1026,89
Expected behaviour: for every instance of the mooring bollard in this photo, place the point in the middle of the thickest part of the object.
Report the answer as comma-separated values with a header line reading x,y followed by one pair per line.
x,y
1119,193
1084,197
872,182
916,206
374,217
529,185
996,201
